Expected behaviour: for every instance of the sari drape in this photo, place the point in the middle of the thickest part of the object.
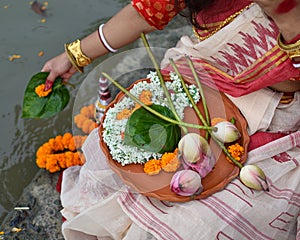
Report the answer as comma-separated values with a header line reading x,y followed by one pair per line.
x,y
239,59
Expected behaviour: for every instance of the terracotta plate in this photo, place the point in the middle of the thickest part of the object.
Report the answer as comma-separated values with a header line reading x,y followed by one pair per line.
x,y
158,186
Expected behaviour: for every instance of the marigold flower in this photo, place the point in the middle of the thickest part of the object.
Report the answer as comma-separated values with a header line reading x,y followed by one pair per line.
x,y
88,125
170,161
78,159
44,150
85,120
125,113
52,164
145,97
41,161
72,146
216,120
66,139
61,160
152,167
86,111
58,144
79,120
92,110
51,143
40,91
69,156
236,151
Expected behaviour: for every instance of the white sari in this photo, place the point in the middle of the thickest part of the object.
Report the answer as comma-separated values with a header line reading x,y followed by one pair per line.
x,y
97,204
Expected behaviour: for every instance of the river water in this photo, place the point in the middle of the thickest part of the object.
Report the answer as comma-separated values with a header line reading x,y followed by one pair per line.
x,y
25,33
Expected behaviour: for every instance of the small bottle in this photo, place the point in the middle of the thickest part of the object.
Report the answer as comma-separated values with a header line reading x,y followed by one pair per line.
x,y
104,98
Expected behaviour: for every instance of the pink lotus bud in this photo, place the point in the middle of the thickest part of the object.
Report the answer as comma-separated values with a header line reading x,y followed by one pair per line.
x,y
254,177
226,132
186,183
195,154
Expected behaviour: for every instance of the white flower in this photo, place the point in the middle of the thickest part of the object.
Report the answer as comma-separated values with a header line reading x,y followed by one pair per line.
x,y
195,154
254,177
226,132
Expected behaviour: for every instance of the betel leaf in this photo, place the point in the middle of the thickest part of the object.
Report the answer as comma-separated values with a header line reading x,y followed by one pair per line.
x,y
151,133
44,107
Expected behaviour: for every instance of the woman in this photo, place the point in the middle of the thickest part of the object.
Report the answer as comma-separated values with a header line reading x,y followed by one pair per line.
x,y
236,44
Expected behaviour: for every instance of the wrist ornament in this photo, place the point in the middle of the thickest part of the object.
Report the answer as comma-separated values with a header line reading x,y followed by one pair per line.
x,y
76,56
292,49
103,40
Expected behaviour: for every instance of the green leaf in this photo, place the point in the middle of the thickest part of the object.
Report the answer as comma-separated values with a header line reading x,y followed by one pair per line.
x,y
44,107
151,133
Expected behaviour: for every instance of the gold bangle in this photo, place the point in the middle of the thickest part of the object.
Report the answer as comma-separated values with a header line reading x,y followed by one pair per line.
x,y
72,59
293,49
76,57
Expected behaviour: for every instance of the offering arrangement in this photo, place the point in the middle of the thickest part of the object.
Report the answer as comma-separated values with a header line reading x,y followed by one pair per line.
x,y
163,160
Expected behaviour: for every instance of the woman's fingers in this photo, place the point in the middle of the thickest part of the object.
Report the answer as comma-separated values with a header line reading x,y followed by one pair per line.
x,y
50,80
58,66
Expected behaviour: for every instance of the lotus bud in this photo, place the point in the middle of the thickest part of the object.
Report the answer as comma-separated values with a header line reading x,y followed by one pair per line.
x,y
254,177
226,132
195,154
186,183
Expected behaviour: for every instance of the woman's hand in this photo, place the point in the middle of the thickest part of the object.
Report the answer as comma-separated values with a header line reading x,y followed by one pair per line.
x,y
286,15
122,29
58,66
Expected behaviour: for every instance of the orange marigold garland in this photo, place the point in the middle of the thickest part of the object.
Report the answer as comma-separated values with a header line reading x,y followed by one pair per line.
x,y
60,152
85,120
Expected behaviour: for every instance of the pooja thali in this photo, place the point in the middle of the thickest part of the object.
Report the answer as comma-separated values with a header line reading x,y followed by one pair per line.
x,y
158,186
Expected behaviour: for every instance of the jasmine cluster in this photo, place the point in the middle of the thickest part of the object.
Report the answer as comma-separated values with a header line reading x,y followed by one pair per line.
x,y
114,128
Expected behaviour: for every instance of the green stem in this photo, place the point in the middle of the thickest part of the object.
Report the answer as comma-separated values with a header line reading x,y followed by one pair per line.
x,y
191,65
57,86
161,79
188,93
153,111
70,84
221,145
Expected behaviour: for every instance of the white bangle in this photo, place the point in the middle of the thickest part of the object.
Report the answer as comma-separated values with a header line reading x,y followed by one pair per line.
x,y
103,40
